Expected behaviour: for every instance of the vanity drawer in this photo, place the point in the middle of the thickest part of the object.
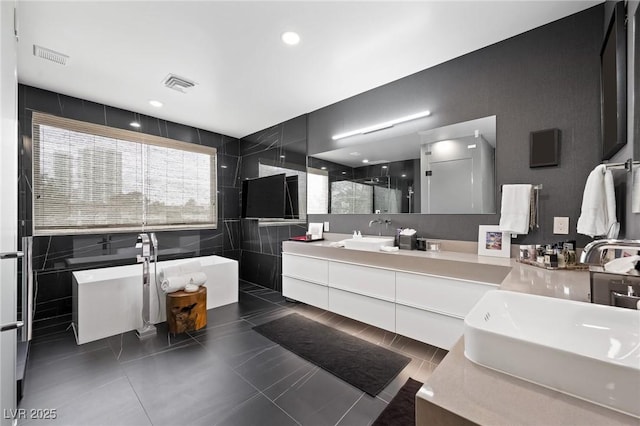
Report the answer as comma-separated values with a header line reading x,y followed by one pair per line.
x,y
374,282
370,310
305,268
449,296
429,327
303,291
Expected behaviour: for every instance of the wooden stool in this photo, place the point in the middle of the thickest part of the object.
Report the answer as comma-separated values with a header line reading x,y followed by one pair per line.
x,y
187,311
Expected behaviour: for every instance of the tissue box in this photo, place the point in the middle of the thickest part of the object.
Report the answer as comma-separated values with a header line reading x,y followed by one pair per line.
x,y
407,242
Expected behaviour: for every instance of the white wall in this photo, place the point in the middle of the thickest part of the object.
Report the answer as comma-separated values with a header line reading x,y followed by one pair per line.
x,y
8,202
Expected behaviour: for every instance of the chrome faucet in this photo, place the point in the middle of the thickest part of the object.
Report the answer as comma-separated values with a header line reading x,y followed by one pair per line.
x,y
595,251
371,222
144,242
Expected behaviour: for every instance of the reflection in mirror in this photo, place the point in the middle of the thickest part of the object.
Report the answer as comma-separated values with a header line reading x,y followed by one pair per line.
x,y
449,169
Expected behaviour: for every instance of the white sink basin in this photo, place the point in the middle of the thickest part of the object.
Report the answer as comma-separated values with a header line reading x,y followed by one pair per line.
x,y
368,243
582,349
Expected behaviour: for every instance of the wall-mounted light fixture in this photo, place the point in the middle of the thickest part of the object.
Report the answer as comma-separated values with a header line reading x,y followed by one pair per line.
x,y
380,126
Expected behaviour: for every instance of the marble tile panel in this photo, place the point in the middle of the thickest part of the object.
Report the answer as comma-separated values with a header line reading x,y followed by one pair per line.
x,y
229,203
261,269
318,398
46,350
204,384
128,347
114,403
238,348
228,169
270,366
363,412
56,383
257,411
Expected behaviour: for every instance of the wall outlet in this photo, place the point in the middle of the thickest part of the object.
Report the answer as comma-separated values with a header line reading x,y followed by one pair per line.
x,y
561,225
326,227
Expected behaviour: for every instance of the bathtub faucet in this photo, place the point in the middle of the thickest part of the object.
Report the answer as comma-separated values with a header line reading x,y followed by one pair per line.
x,y
144,242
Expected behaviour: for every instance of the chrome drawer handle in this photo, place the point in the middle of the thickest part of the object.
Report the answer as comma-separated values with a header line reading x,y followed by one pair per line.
x,y
11,255
11,326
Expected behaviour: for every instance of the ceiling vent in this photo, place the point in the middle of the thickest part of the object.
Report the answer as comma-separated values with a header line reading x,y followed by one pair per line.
x,y
178,83
50,55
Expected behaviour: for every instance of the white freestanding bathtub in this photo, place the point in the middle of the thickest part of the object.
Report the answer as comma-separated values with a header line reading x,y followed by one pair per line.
x,y
108,301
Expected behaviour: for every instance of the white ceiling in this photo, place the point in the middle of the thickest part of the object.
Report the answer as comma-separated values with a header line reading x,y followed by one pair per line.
x,y
247,79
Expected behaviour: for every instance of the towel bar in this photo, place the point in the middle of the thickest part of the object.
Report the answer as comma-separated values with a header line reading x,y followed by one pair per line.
x,y
537,188
627,165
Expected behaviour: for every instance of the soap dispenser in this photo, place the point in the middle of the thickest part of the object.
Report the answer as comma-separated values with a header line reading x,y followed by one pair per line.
x,y
359,234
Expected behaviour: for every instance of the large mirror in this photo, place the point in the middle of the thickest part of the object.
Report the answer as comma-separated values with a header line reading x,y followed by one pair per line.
x,y
449,169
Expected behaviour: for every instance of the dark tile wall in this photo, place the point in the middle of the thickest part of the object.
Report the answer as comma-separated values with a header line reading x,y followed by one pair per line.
x,y
54,256
282,145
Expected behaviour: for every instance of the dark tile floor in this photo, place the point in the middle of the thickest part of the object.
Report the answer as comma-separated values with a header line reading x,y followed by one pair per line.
x,y
224,374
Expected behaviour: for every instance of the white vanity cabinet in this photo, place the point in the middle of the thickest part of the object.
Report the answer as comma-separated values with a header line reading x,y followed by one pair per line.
x,y
432,309
424,307
305,279
363,293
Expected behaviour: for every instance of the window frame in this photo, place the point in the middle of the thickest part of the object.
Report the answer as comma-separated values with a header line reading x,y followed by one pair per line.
x,y
144,139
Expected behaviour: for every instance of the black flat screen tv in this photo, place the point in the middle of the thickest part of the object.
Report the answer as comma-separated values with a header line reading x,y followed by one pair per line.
x,y
264,197
613,75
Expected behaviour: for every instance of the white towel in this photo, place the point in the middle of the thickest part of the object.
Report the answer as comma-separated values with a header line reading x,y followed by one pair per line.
x,y
175,283
598,212
181,268
516,208
622,265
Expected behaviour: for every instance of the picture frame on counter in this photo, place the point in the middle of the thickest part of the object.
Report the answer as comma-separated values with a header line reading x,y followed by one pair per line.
x,y
493,242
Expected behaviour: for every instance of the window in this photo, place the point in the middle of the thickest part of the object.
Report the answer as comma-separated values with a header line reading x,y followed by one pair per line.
x,y
89,178
318,183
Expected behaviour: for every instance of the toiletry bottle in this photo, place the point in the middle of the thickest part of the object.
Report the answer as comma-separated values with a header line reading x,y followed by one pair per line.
x,y
355,234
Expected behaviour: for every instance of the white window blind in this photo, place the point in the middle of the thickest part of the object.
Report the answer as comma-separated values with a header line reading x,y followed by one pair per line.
x,y
89,178
318,183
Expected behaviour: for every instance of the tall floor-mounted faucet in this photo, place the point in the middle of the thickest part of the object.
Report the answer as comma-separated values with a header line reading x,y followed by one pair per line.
x,y
144,242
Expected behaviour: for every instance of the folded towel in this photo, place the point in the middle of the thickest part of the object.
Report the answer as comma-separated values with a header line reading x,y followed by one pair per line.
x,y
181,268
389,248
622,265
598,212
515,212
179,282
337,244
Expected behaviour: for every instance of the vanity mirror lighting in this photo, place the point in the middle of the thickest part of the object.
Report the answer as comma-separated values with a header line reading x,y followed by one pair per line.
x,y
444,170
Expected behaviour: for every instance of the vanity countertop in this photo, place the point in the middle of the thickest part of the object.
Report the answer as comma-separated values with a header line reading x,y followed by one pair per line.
x,y
475,394
504,272
479,395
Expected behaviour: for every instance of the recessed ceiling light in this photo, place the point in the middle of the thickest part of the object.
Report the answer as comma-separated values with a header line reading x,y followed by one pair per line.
x,y
155,103
404,175
134,124
365,161
291,38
